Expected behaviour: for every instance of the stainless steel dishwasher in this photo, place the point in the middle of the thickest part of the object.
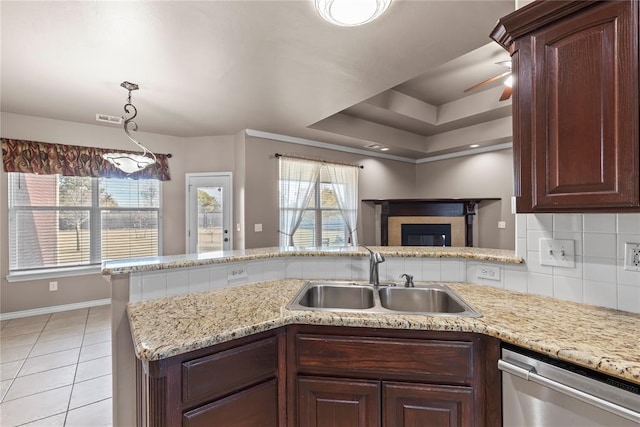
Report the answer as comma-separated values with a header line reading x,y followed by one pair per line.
x,y
544,392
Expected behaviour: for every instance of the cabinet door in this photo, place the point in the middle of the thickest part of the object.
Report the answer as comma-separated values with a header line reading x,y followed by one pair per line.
x,y
578,105
416,405
326,402
256,407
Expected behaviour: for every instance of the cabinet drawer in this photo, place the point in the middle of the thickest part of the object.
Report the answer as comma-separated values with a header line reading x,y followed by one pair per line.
x,y
230,370
447,362
257,406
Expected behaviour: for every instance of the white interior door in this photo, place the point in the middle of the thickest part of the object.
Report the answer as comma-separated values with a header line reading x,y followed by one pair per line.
x,y
209,212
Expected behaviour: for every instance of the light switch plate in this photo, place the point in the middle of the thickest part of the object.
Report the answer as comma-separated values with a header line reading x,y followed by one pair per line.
x,y
557,253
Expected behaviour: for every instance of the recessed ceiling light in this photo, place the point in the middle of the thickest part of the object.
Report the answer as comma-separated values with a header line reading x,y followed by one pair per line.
x,y
384,149
474,146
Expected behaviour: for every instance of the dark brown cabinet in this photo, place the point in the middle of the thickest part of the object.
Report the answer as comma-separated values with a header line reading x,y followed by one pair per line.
x,y
575,105
327,376
417,405
336,402
341,376
234,384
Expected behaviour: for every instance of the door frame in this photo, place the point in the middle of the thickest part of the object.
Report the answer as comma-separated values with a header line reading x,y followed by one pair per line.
x,y
187,215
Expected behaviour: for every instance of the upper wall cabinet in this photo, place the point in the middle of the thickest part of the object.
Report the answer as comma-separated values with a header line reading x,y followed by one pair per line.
x,y
575,105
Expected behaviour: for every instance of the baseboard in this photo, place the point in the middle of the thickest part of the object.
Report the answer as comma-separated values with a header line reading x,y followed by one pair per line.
x,y
54,309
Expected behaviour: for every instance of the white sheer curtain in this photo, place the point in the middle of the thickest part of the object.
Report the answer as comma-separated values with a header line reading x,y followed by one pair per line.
x,y
344,180
297,182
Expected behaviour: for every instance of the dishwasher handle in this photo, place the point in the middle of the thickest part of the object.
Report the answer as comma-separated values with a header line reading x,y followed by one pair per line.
x,y
527,372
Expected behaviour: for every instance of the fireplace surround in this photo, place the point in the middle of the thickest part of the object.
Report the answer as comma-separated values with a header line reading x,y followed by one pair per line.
x,y
392,214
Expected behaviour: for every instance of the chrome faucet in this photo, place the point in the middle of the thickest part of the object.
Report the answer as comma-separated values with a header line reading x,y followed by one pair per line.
x,y
375,258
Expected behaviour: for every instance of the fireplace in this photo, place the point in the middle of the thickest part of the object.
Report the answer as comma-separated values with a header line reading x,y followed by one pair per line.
x,y
456,216
426,234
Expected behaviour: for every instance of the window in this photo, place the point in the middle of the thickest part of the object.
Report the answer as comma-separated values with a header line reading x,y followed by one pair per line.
x,y
318,203
63,221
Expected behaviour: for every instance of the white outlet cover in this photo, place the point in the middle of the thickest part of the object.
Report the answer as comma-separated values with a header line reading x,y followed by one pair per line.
x,y
632,256
488,272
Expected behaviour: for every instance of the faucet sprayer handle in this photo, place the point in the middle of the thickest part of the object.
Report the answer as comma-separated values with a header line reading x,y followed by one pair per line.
x,y
408,280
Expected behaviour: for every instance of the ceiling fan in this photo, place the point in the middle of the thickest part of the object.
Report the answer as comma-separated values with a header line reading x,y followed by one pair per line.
x,y
508,81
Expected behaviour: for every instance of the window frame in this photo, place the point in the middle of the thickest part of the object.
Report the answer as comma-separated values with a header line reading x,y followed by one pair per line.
x,y
95,232
317,211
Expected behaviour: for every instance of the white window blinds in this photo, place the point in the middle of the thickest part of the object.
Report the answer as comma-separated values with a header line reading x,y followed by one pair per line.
x,y
61,221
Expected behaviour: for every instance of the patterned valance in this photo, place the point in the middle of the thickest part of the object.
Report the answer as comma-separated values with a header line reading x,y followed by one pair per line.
x,y
72,160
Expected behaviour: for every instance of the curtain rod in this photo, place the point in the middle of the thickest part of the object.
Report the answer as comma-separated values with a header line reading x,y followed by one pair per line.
x,y
278,155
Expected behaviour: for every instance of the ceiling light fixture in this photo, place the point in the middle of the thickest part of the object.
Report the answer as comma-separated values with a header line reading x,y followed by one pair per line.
x,y
509,81
349,13
474,146
129,162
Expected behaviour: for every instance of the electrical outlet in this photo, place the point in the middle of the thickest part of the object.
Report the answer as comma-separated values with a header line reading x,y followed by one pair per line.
x,y
53,286
237,272
632,256
488,272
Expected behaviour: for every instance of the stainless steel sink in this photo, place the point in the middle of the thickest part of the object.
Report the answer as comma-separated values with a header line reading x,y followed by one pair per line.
x,y
432,300
429,300
337,296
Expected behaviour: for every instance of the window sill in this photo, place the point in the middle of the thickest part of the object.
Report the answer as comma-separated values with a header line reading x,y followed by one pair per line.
x,y
52,273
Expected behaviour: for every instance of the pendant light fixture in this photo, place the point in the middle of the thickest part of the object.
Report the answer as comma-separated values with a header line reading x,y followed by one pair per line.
x,y
349,13
129,162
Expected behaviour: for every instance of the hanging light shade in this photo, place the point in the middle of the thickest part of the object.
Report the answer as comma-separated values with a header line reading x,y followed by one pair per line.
x,y
349,13
128,162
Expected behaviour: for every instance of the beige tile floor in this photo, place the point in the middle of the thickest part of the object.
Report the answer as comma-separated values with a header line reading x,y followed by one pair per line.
x,y
55,369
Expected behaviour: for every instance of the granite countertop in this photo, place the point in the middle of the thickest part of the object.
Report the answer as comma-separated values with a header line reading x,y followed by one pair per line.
x,y
602,339
193,260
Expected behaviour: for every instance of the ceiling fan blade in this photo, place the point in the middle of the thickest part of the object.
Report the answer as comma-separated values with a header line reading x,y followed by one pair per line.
x,y
506,93
506,63
492,79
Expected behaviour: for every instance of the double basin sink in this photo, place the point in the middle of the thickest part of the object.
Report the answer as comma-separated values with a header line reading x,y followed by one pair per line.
x,y
432,300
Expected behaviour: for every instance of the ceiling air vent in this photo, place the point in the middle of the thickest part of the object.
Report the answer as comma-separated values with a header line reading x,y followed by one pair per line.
x,y
109,119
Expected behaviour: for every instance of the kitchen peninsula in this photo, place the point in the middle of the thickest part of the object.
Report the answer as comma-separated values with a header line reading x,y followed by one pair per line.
x,y
601,339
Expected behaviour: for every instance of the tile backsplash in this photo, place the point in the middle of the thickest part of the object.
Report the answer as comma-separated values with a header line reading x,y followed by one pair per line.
x,y
599,277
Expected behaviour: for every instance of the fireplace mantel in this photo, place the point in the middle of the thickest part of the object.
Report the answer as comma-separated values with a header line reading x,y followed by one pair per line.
x,y
427,208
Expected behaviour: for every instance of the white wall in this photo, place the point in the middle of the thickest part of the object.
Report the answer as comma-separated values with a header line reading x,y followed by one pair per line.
x,y
481,175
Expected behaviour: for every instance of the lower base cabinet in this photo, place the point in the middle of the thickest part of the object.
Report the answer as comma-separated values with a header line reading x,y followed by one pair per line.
x,y
336,402
415,405
359,377
327,376
238,383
